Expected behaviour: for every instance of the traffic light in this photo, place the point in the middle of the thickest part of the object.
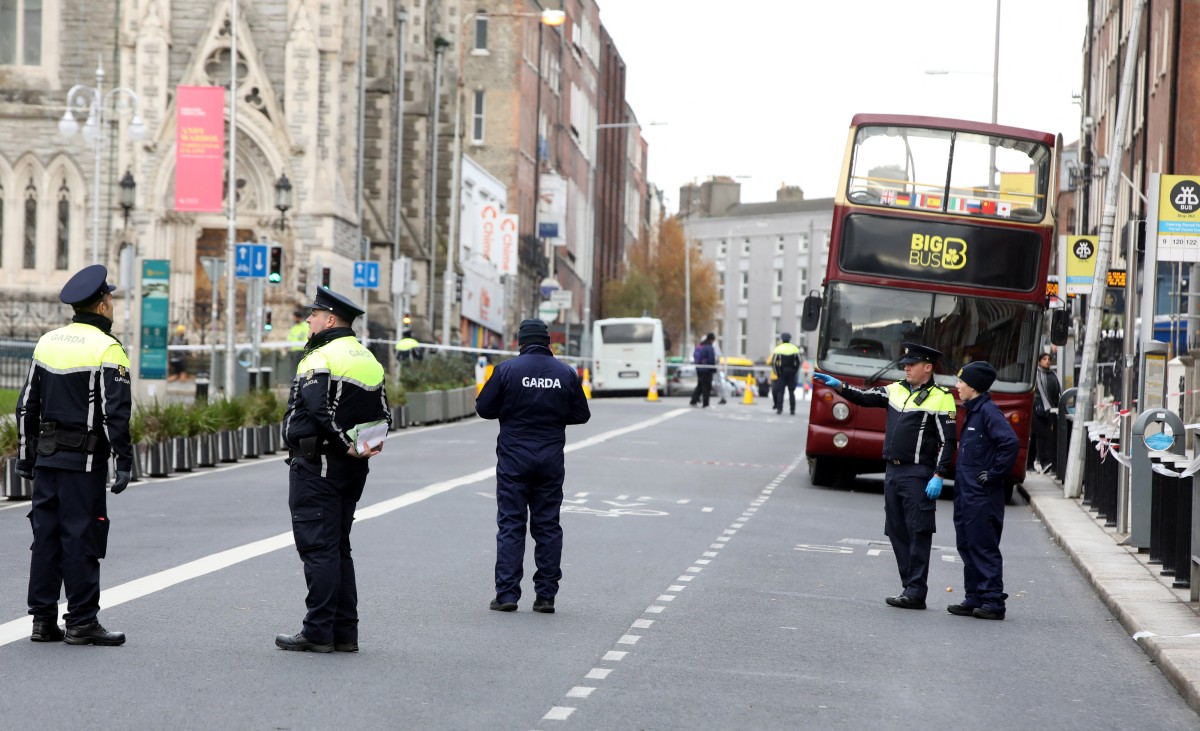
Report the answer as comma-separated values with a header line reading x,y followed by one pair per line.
x,y
407,320
326,277
267,321
275,268
458,285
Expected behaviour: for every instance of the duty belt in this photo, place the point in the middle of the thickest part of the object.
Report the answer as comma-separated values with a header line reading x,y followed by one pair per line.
x,y
52,439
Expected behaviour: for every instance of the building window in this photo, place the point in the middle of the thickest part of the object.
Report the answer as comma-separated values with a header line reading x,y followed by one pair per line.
x,y
64,227
481,23
745,247
1,224
21,32
801,281
477,118
802,244
744,293
775,330
31,195
778,285
722,249
779,245
721,287
742,340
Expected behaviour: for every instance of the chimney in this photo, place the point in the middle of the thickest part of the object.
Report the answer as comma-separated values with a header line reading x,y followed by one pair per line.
x,y
789,193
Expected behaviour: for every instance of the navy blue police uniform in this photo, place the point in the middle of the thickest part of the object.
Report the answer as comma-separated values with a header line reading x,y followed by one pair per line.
x,y
72,415
535,396
338,386
987,450
918,445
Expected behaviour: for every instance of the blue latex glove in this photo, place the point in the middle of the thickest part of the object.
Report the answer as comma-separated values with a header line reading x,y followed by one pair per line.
x,y
827,380
933,488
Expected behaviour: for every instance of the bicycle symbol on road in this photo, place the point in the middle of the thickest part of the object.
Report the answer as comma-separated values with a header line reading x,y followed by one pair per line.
x,y
612,512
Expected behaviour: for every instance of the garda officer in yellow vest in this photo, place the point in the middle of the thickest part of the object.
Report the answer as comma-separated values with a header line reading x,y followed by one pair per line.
x,y
918,445
338,386
785,362
298,336
72,414
408,348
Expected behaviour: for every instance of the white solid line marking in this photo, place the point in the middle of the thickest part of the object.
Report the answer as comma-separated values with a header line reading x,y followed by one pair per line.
x,y
655,609
665,598
558,713
580,691
629,639
598,673
705,510
19,629
676,587
642,623
614,655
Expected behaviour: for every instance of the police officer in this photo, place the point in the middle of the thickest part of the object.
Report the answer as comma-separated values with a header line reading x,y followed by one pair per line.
x,y
535,397
407,347
298,335
987,450
338,386
918,444
785,362
72,414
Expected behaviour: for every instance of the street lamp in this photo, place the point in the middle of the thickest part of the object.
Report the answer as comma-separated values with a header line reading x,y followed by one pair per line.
x,y
283,198
97,101
552,18
128,194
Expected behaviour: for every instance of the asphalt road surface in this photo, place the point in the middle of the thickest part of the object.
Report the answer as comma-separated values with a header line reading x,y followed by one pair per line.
x,y
707,585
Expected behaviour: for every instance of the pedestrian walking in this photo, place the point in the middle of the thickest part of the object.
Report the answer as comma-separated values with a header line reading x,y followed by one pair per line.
x,y
72,414
536,397
338,390
785,363
178,359
722,376
705,359
1043,447
987,450
918,444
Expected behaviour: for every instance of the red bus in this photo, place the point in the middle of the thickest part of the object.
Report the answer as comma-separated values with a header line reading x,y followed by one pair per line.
x,y
942,234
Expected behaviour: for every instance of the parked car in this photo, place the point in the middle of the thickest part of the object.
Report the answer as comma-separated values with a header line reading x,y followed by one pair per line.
x,y
681,381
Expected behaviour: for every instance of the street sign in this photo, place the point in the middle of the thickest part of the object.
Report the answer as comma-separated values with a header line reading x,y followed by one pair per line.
x,y
366,275
562,298
549,285
250,261
214,266
547,312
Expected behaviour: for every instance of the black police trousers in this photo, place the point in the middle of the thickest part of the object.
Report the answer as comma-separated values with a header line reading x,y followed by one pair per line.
x,y
535,493
70,536
910,521
786,379
322,513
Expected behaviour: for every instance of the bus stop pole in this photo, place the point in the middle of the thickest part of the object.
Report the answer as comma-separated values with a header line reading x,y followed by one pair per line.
x,y
1087,372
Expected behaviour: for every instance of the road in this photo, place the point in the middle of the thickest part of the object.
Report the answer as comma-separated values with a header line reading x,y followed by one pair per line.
x,y
706,585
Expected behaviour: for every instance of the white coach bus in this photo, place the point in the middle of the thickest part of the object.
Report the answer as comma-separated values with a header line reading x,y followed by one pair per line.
x,y
625,351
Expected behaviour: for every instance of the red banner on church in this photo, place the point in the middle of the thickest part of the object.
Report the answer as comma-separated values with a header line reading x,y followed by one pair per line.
x,y
199,148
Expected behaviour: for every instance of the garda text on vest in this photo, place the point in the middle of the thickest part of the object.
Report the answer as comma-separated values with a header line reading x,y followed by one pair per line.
x,y
530,382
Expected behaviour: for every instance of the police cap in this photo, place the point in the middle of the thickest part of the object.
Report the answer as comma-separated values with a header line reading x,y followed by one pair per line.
x,y
86,286
917,353
327,299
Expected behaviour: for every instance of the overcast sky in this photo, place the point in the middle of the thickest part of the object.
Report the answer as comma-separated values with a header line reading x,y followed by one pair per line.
x,y
766,88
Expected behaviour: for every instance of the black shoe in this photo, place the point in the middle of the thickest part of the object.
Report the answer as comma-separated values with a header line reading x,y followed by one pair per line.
x,y
46,631
544,604
500,606
93,634
300,643
961,610
720,402
346,646
981,613
905,602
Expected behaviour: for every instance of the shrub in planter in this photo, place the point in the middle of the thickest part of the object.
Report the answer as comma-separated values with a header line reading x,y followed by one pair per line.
x,y
159,424
228,417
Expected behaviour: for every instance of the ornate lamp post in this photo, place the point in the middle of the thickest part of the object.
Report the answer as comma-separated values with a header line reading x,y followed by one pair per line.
x,y
283,199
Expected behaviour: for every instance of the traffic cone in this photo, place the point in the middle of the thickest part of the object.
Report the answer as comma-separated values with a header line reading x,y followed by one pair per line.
x,y
587,383
748,397
652,394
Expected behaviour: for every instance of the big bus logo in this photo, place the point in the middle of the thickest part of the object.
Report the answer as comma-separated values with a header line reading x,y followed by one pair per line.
x,y
937,252
1184,196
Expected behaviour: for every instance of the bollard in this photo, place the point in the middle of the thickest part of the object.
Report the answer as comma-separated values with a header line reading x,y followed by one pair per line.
x,y
1109,477
1157,519
1183,532
1063,427
201,387
1162,539
1140,483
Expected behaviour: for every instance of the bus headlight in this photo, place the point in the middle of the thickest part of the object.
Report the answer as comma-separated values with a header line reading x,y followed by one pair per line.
x,y
841,411
840,440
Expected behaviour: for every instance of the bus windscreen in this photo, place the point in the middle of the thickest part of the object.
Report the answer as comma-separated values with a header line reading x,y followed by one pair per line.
x,y
627,333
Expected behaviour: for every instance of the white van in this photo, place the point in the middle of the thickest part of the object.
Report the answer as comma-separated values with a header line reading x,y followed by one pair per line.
x,y
625,351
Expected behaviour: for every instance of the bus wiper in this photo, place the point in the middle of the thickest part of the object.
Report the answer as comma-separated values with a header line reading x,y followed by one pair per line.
x,y
875,376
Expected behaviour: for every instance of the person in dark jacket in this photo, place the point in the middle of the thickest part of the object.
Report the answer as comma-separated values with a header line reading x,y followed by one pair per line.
x,y
535,396
918,443
785,363
1043,446
705,359
338,387
987,450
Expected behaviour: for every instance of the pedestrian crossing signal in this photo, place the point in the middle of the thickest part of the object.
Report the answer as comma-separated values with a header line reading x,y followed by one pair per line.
x,y
326,276
275,268
407,320
267,321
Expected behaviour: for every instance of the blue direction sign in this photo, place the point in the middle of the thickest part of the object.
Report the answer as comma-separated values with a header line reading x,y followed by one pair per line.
x,y
250,261
366,275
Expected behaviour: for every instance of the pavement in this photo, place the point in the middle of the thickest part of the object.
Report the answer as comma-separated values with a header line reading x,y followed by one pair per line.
x,y
1161,619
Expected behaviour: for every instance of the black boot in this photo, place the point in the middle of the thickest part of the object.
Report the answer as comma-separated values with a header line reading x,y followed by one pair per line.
x,y
544,604
500,606
45,630
300,643
93,634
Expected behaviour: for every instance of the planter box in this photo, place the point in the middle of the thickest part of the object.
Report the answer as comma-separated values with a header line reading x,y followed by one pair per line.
x,y
206,450
425,407
227,446
15,487
468,401
268,438
158,459
183,459
399,417
248,438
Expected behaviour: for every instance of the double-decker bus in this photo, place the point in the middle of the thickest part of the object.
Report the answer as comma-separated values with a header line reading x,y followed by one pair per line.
x,y
942,234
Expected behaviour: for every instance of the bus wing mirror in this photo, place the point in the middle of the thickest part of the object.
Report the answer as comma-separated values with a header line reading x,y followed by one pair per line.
x,y
810,317
1060,322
